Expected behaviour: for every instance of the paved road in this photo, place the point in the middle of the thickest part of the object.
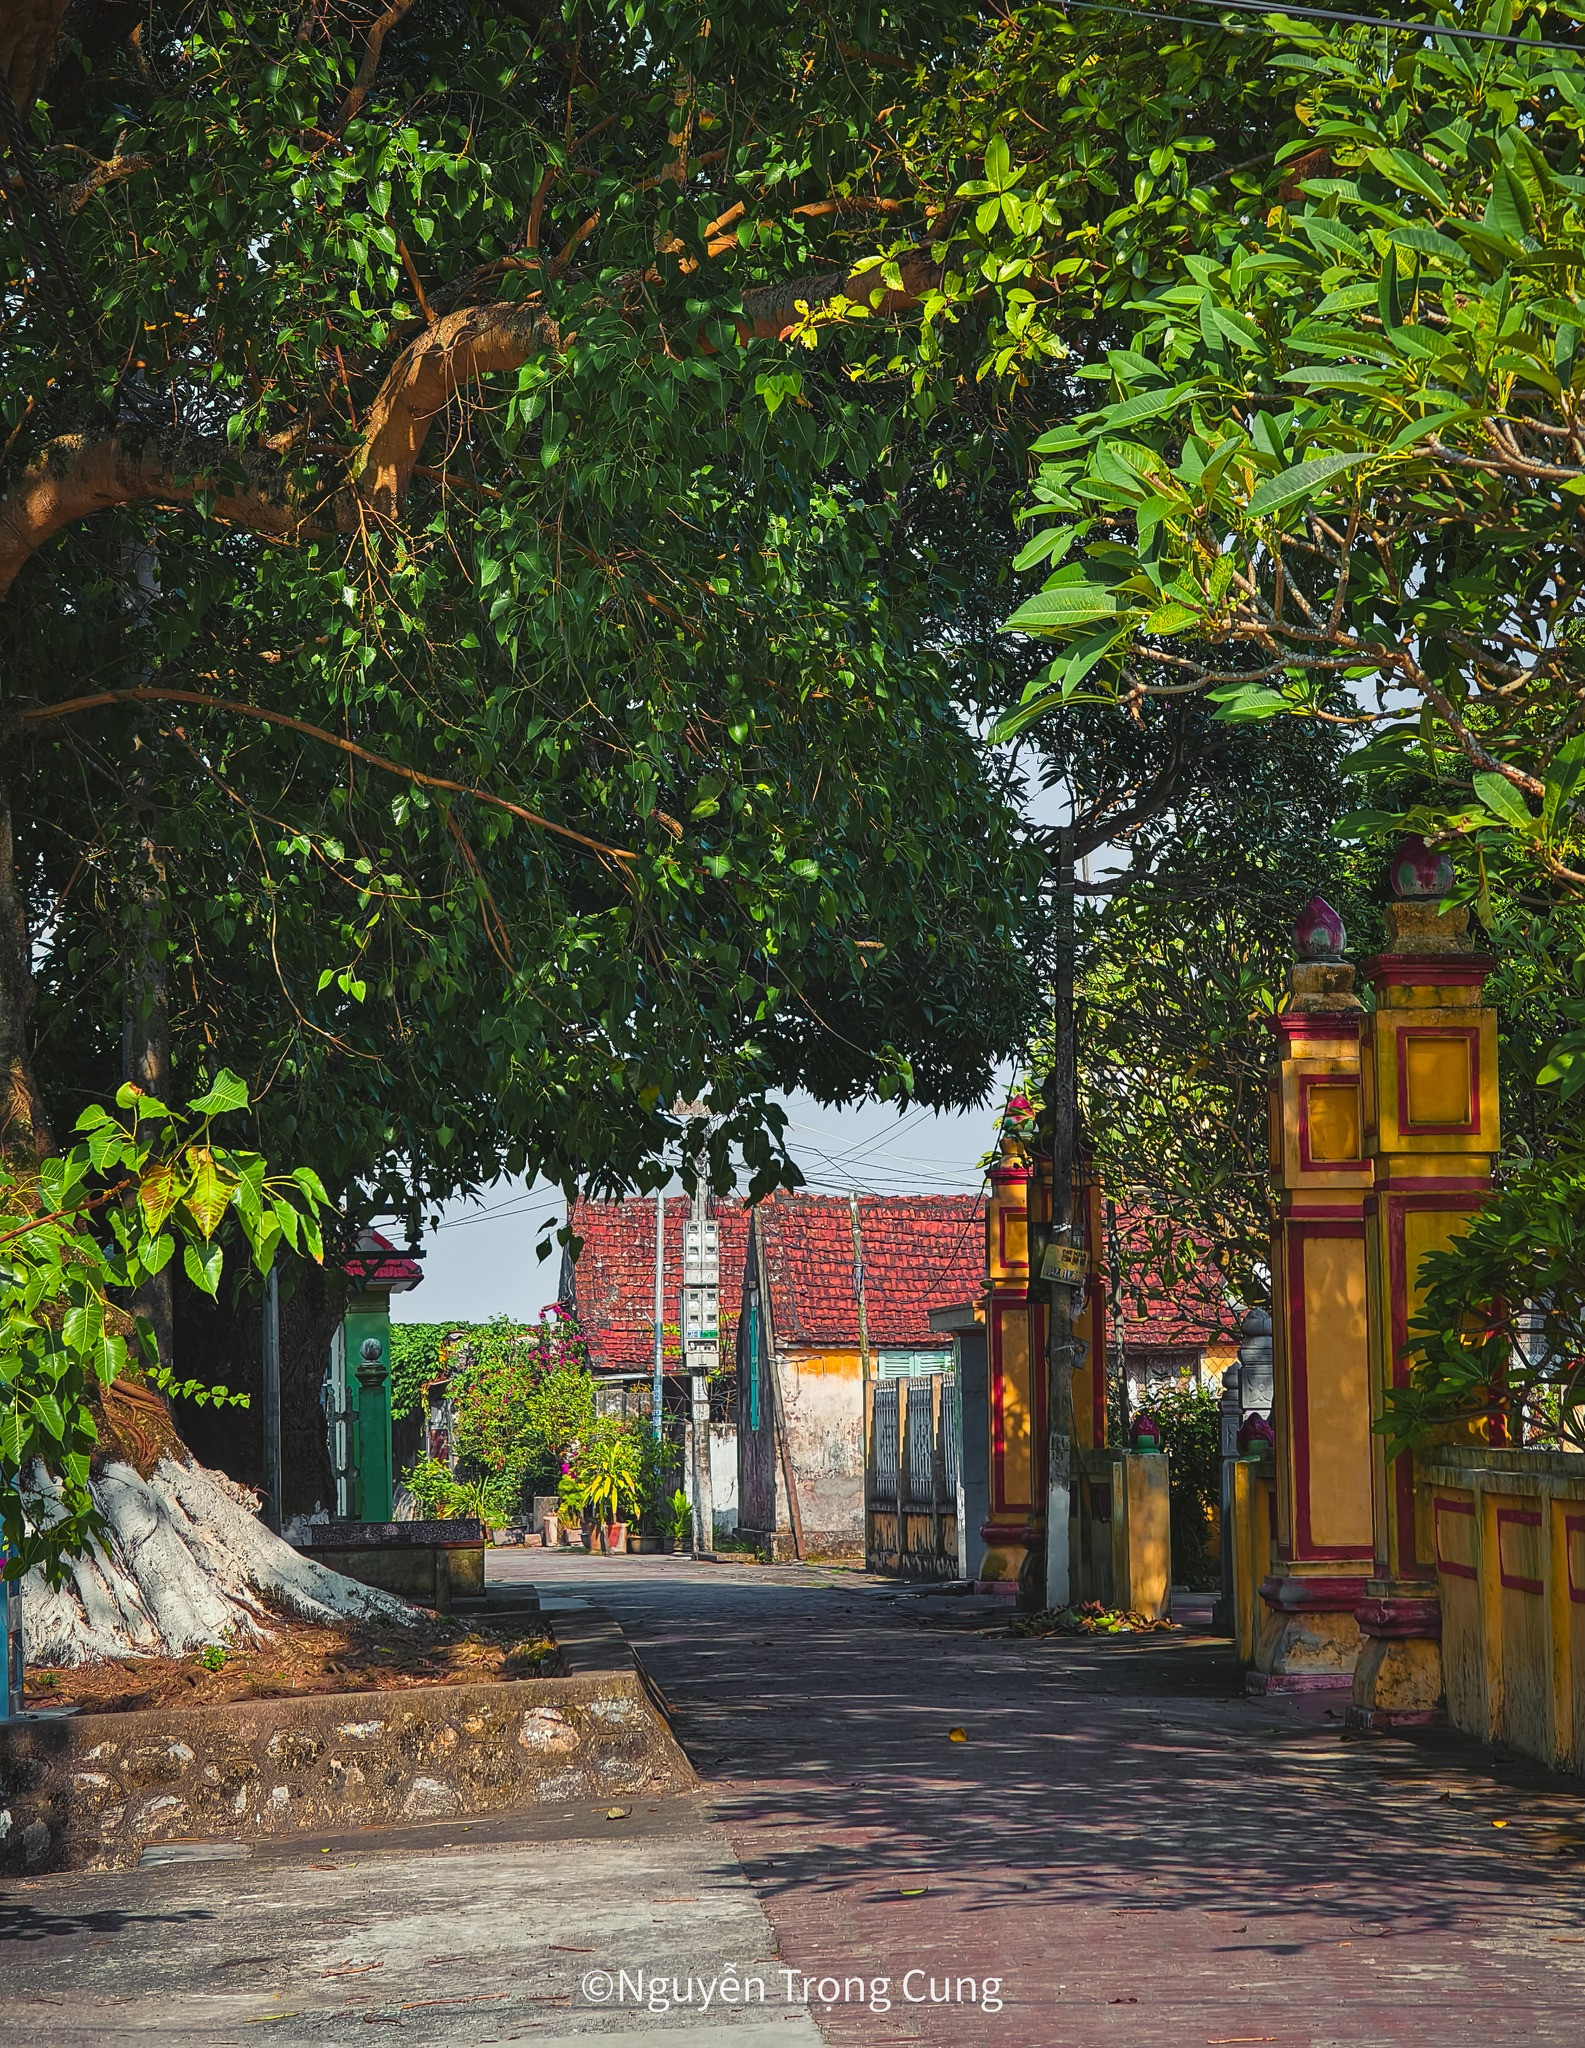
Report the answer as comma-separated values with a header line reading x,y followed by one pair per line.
x,y
1131,1850
1127,1850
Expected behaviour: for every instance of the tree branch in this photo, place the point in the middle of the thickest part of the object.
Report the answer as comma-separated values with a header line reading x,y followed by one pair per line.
x,y
72,476
144,694
352,105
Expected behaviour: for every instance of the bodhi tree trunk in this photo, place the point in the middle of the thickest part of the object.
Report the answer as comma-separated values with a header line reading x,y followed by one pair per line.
x,y
147,1060
183,1559
24,1134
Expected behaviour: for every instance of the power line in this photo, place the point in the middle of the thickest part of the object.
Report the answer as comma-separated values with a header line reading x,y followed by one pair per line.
x,y
1269,9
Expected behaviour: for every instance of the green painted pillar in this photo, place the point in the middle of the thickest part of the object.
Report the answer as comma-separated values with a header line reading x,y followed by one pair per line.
x,y
368,1341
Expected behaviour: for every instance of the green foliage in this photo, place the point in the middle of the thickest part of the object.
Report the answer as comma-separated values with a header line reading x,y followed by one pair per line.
x,y
431,1484
644,573
1189,1418
490,1498
607,1475
1334,453
520,1397
79,1234
1183,962
681,1529
212,1657
417,1357
1500,1334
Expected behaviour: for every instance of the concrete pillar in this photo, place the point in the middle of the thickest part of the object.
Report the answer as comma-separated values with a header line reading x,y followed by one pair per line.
x,y
1429,1070
368,1339
1307,1637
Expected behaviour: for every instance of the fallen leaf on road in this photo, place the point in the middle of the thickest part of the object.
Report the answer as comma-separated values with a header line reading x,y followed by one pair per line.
x,y
351,1969
956,1735
617,1812
566,1948
917,1892
1499,1823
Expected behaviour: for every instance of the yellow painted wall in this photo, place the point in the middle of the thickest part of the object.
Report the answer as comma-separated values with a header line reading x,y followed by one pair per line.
x,y
1509,1533
843,1365
1337,1382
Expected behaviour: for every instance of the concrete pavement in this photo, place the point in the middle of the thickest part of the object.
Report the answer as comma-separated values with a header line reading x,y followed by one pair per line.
x,y
1122,1850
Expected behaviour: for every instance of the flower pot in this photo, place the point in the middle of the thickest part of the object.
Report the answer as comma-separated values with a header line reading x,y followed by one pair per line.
x,y
615,1539
645,1546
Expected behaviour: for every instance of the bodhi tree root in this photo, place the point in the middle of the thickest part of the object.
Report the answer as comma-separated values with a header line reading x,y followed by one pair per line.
x,y
184,1559
185,1562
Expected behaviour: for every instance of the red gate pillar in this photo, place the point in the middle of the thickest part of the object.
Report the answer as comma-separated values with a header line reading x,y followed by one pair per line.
x,y
1430,1095
1307,1638
1015,1328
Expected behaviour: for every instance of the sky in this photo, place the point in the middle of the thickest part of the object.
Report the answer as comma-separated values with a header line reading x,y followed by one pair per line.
x,y
480,1261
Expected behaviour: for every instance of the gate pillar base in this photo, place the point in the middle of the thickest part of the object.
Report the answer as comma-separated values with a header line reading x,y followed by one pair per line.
x,y
1398,1679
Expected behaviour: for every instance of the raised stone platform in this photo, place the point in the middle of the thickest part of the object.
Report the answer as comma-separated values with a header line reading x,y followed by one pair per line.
x,y
433,1562
92,1791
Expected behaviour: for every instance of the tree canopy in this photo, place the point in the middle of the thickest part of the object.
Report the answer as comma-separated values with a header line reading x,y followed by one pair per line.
x,y
521,678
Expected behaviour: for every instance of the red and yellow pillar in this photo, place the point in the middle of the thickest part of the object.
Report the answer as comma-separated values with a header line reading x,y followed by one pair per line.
x,y
1015,1330
1307,1636
1429,1071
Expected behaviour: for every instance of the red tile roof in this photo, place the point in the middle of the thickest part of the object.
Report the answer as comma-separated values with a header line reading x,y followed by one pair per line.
x,y
920,1252
1186,1309
611,1285
368,1269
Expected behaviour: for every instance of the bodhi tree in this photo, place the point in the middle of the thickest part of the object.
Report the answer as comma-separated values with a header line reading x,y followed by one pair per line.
x,y
461,676
124,1544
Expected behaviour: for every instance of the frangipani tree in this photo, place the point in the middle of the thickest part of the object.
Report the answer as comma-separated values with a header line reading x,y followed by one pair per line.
x,y
1336,473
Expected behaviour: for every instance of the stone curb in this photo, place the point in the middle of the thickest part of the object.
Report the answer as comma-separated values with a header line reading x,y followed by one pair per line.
x,y
92,1791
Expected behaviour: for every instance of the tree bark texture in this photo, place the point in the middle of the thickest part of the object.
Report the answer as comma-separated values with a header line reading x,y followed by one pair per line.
x,y
223,1342
24,1131
148,1021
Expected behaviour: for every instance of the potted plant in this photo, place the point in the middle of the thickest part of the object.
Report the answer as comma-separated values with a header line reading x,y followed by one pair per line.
x,y
681,1520
607,1482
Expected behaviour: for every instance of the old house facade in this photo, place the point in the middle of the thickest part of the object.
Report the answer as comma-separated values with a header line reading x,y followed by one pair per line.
x,y
836,1290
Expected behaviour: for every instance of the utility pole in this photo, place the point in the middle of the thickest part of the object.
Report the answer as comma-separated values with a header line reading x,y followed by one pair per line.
x,y
657,1395
858,1284
1062,1099
270,1403
701,1325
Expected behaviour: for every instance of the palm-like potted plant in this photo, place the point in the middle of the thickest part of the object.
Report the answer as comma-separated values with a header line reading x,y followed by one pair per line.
x,y
608,1483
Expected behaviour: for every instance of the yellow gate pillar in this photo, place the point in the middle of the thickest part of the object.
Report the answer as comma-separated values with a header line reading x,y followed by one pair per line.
x,y
1015,1530
1307,1637
1430,1094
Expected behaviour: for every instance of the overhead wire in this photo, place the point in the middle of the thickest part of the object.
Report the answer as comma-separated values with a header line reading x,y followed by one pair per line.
x,y
1270,10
